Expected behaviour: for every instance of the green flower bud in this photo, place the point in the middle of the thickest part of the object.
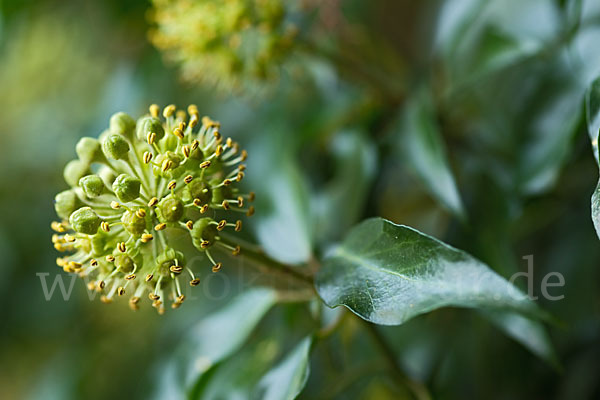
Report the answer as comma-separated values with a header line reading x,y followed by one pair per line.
x,y
85,220
148,125
168,258
203,231
74,171
108,175
170,209
65,203
198,189
89,150
99,244
126,188
124,263
115,147
133,223
173,170
92,185
222,192
122,124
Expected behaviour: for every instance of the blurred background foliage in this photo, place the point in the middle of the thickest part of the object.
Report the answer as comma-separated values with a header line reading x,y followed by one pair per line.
x,y
461,118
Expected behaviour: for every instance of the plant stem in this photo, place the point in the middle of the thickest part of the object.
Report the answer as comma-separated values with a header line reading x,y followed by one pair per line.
x,y
256,255
418,390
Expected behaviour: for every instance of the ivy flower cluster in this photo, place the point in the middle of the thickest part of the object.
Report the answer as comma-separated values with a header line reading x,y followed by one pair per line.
x,y
137,184
229,44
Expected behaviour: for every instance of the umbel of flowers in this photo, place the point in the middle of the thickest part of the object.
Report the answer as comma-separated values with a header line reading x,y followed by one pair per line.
x,y
136,184
232,44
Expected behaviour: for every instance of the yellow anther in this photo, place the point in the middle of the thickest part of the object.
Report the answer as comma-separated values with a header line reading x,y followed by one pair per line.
x,y
153,296
216,267
193,120
146,237
193,110
244,155
190,225
204,209
151,138
197,202
149,277
227,182
169,111
250,211
105,226
176,269
221,225
154,110
205,244
195,144
105,300
140,213
69,238
239,176
160,226
188,179
130,277
94,262
238,225
240,200
242,167
194,282
153,201
120,291
186,151
147,157
225,205
58,226
236,251
121,247
219,150
178,132
251,196
205,164
110,258
172,185
115,205
101,285
166,165
229,142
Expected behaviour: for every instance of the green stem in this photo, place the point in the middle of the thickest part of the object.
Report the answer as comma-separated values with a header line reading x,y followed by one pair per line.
x,y
418,390
258,256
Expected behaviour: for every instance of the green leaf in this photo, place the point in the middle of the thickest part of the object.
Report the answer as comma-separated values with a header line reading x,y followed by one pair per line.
x,y
531,334
424,150
250,374
237,320
288,378
213,339
389,273
592,106
282,219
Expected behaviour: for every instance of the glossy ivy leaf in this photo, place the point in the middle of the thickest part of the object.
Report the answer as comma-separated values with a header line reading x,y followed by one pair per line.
x,y
253,373
288,378
592,105
423,148
282,219
529,333
389,273
213,339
